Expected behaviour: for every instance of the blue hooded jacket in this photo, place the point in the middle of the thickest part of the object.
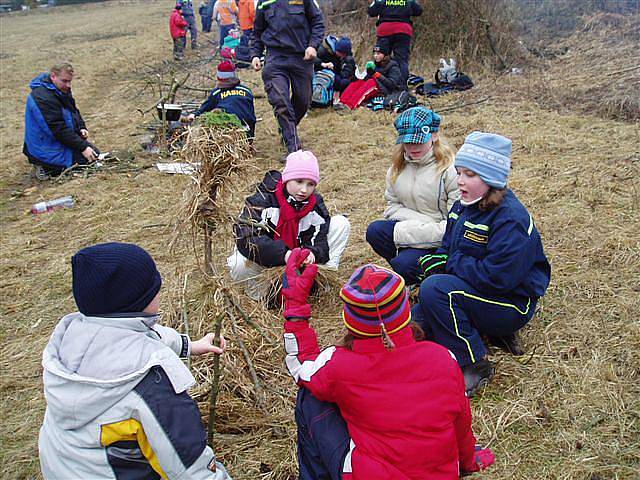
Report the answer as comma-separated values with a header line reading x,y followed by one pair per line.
x,y
52,124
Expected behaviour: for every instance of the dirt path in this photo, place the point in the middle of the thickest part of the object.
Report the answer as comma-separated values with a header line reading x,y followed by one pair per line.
x,y
569,410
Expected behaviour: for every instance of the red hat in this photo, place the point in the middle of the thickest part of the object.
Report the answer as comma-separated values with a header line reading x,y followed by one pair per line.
x,y
226,70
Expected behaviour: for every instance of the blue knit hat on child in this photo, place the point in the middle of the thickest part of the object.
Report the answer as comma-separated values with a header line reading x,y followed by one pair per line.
x,y
488,155
113,278
416,125
344,45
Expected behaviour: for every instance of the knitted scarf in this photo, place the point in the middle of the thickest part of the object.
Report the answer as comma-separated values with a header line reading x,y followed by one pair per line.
x,y
287,228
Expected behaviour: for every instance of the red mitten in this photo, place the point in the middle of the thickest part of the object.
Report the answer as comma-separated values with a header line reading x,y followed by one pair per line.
x,y
297,285
483,459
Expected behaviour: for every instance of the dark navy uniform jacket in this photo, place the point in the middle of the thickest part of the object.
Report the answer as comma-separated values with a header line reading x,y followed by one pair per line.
x,y
287,26
237,100
394,10
499,251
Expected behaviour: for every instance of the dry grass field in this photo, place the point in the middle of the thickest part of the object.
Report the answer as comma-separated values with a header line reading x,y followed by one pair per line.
x,y
569,409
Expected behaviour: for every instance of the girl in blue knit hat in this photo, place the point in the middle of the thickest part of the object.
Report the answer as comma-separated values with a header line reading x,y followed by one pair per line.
x,y
491,269
420,190
117,392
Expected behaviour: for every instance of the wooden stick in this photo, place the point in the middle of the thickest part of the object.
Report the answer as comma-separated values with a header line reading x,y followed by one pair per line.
x,y
464,105
213,396
624,70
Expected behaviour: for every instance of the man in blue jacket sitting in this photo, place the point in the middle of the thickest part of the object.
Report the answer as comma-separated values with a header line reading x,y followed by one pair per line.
x,y
55,136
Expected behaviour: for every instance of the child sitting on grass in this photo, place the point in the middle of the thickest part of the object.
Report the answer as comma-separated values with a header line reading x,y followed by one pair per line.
x,y
286,212
381,404
116,391
491,269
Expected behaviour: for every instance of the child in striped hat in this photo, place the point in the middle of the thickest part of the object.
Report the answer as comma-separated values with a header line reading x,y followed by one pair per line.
x,y
381,404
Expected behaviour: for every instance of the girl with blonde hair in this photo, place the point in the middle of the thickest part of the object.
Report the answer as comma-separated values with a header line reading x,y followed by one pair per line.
x,y
420,189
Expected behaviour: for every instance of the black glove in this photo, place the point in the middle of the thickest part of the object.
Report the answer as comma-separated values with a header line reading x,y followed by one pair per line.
x,y
432,264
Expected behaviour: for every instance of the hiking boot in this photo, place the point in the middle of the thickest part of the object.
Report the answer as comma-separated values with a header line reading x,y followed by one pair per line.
x,y
477,376
339,106
509,343
40,173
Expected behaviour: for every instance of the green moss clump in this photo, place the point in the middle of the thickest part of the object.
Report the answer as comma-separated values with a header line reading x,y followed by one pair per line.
x,y
219,119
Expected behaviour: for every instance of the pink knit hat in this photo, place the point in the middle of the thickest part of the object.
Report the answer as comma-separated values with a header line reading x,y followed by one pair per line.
x,y
301,164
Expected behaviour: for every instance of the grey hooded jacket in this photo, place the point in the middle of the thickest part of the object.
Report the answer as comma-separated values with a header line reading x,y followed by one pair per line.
x,y
117,403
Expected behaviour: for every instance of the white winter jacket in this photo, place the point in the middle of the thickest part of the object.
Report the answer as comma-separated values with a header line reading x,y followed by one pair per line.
x,y
420,199
117,403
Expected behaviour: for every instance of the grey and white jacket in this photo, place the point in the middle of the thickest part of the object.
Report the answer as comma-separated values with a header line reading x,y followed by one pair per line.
x,y
420,199
117,403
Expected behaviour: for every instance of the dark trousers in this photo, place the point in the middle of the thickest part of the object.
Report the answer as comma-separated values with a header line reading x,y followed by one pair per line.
x,y
206,23
224,31
340,84
323,438
245,39
193,28
400,46
455,314
288,83
403,261
178,47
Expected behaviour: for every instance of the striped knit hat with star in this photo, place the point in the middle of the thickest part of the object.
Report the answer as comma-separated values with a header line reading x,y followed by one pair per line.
x,y
375,302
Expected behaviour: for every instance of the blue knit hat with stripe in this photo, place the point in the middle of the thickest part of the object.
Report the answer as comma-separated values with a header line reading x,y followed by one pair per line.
x,y
416,125
488,155
113,278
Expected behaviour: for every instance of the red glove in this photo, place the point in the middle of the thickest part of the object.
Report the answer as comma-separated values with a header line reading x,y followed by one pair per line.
x,y
297,284
483,459
377,75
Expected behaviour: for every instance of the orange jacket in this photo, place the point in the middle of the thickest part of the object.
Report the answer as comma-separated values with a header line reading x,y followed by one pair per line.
x,y
226,11
247,14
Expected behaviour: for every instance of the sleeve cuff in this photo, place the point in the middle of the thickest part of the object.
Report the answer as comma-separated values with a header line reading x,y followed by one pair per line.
x,y
185,350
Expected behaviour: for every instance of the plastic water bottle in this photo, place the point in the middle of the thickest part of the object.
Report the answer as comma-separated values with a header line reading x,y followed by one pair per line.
x,y
42,207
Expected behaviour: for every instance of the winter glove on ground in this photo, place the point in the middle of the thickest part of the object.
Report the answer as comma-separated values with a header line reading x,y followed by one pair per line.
x,y
297,284
432,264
371,68
483,459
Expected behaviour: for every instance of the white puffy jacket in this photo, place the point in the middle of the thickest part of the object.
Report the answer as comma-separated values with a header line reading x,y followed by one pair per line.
x,y
420,199
117,403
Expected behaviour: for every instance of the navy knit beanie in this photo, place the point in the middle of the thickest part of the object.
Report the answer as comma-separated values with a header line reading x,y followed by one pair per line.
x,y
344,46
114,278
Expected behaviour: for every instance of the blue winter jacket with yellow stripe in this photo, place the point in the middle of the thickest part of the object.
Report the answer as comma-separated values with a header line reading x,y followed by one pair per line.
x,y
499,252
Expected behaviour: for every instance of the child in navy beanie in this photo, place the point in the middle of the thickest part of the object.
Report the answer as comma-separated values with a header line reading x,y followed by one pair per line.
x,y
114,381
491,269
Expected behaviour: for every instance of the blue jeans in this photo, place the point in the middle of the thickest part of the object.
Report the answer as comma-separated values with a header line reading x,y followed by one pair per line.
x,y
224,31
403,261
323,438
455,314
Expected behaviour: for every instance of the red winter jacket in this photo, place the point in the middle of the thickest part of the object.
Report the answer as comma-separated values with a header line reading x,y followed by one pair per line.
x,y
177,25
405,408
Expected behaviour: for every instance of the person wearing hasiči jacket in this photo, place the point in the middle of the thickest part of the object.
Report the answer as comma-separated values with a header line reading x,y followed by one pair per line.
x,y
395,28
291,31
116,389
491,269
380,405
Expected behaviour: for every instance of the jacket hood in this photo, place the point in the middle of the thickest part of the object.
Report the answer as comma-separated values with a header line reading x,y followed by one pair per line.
x,y
43,80
91,363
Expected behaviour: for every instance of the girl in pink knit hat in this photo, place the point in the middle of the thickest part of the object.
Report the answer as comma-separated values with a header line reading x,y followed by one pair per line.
x,y
285,213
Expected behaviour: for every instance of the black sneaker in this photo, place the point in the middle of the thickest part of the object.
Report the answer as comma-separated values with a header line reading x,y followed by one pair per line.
x,y
509,343
477,376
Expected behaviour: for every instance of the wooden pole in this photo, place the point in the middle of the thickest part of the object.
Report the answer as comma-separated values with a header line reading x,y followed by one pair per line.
x,y
213,396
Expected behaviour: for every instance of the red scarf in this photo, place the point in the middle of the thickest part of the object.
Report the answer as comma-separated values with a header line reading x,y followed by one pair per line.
x,y
287,228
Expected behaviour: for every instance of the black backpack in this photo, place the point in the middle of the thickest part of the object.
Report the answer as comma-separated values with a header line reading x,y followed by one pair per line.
x,y
399,101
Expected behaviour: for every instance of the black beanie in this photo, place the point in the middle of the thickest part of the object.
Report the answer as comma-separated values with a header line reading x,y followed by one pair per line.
x,y
114,278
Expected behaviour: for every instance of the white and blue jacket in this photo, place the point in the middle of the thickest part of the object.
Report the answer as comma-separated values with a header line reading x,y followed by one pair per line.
x,y
117,403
